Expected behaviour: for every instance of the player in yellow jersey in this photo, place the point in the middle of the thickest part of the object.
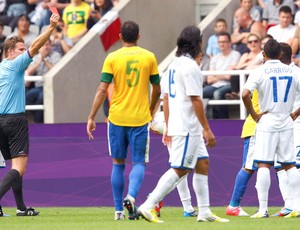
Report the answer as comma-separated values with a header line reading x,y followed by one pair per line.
x,y
131,68
248,167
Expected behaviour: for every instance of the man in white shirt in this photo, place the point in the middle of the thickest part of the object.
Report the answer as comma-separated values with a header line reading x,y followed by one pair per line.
x,y
284,31
277,85
218,86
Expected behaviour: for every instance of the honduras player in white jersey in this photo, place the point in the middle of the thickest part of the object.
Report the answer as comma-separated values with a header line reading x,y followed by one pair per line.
x,y
186,125
277,85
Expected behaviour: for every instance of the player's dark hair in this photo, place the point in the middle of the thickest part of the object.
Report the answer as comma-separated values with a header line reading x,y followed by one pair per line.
x,y
286,53
10,43
223,33
130,31
221,20
189,42
285,9
272,49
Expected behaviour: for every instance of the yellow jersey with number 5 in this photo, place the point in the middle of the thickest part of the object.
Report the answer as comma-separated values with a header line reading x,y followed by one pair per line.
x,y
131,69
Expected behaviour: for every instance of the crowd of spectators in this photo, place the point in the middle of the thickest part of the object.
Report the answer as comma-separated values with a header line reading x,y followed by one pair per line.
x,y
27,18
254,22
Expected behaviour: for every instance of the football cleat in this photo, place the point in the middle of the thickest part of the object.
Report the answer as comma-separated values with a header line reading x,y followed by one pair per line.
x,y
293,214
235,211
158,207
2,214
149,214
212,218
260,215
190,214
283,212
119,215
132,209
28,212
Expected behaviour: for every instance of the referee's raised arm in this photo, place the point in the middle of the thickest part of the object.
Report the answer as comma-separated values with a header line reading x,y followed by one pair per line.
x,y
43,37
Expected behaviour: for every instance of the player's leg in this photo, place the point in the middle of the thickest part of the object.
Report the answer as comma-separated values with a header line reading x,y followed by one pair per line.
x,y
286,158
264,156
242,179
139,144
15,147
117,143
183,148
185,197
200,185
283,181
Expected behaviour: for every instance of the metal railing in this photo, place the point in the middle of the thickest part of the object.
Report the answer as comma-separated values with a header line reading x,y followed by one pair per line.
x,y
242,78
33,79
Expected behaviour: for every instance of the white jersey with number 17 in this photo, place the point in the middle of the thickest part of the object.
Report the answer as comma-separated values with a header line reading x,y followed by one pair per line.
x,y
277,85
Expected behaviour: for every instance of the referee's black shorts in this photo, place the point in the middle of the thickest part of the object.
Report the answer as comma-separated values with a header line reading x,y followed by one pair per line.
x,y
14,140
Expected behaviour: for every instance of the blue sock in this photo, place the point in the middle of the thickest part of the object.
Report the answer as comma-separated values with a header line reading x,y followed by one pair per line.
x,y
117,183
240,186
136,178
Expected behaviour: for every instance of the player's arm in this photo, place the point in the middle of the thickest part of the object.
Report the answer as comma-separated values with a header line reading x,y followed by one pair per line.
x,y
200,113
43,37
154,97
246,96
98,101
166,140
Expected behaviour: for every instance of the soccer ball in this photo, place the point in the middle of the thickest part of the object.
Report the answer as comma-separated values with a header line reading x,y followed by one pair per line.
x,y
158,124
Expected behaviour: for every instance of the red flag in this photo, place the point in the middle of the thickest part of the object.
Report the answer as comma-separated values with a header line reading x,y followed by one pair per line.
x,y
111,35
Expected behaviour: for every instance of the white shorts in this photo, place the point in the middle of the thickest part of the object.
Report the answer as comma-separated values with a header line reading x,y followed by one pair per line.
x,y
269,144
248,154
186,150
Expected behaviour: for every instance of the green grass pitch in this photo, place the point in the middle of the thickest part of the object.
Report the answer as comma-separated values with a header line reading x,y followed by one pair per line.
x,y
87,218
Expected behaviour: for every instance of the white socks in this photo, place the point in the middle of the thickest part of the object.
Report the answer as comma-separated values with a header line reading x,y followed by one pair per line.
x,y
294,187
263,182
284,188
185,195
200,184
164,186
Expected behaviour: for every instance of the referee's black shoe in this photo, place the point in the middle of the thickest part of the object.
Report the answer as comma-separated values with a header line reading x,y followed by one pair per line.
x,y
28,212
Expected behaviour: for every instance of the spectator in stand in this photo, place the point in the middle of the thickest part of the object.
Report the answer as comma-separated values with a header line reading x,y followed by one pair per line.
x,y
40,15
247,61
15,8
284,31
246,25
218,86
60,42
271,12
212,44
254,13
41,64
261,4
100,8
296,47
75,17
2,39
22,30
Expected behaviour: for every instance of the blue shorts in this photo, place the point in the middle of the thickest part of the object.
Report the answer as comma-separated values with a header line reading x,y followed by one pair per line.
x,y
137,138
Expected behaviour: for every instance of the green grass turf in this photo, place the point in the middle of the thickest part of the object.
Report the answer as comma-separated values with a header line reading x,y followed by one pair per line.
x,y
103,218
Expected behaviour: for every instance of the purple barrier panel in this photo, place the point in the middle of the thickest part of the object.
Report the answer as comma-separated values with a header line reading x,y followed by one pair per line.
x,y
66,169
